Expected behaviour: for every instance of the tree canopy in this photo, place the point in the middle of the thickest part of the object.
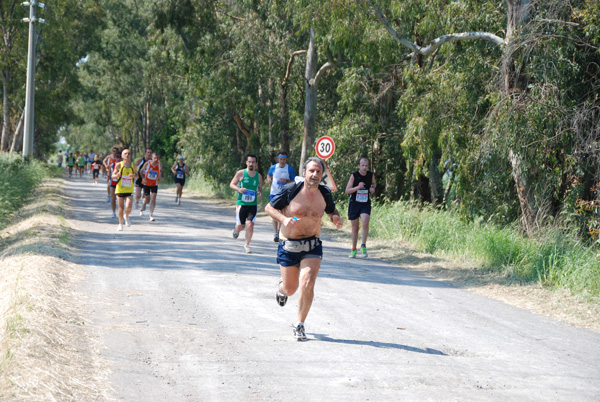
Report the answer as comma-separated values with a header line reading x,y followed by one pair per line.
x,y
485,106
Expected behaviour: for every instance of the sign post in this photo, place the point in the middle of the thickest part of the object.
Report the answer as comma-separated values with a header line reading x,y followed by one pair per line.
x,y
325,147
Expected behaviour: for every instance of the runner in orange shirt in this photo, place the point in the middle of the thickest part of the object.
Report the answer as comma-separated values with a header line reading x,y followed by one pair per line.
x,y
151,173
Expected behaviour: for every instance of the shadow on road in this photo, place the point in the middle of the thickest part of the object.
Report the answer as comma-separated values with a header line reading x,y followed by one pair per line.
x,y
382,345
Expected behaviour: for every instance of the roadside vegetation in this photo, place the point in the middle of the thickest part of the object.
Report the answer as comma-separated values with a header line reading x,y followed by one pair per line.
x,y
46,351
555,259
18,179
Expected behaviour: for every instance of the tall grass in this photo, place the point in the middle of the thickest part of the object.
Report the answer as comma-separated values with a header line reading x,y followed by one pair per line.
x,y
17,181
553,259
196,181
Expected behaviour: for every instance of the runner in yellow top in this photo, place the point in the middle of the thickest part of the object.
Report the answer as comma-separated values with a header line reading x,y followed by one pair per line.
x,y
125,174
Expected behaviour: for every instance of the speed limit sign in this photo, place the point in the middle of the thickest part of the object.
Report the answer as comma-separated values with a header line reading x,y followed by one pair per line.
x,y
325,147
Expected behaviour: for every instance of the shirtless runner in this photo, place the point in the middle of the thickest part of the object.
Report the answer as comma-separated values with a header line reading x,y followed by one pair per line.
x,y
298,207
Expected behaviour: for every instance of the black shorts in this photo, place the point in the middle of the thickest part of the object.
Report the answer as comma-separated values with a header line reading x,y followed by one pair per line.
x,y
150,189
124,195
96,173
244,213
138,183
287,258
180,181
356,209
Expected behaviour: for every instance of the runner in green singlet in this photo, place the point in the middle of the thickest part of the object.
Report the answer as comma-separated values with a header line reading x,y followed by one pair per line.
x,y
247,183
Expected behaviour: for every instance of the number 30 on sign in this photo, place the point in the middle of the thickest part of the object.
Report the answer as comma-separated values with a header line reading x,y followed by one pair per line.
x,y
325,147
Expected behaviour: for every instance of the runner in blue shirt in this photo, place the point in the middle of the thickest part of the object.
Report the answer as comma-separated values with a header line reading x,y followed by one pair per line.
x,y
278,176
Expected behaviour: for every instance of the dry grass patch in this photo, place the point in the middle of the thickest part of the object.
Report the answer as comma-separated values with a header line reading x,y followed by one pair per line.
x,y
46,352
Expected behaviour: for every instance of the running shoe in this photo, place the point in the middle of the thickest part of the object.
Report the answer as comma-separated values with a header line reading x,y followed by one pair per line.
x,y
179,201
352,254
176,199
120,228
276,237
141,213
151,218
236,233
127,222
247,249
363,249
280,297
299,332
114,215
107,198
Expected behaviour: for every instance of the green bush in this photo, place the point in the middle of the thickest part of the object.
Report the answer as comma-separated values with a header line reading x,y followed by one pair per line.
x,y
17,181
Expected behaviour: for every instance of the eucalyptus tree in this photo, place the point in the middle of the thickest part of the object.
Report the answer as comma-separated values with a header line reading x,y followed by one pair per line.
x,y
520,117
13,50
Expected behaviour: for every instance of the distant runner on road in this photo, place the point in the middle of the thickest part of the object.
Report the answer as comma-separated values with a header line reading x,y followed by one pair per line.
x,y
108,164
179,170
152,173
70,163
299,207
247,183
139,186
125,174
113,185
82,163
360,187
96,169
278,176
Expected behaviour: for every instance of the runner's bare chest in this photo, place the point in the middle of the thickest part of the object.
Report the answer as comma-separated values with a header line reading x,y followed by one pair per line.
x,y
308,207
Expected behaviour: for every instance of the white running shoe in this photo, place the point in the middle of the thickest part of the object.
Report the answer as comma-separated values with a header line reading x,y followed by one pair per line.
x,y
151,218
247,249
179,201
120,228
141,213
299,332
127,222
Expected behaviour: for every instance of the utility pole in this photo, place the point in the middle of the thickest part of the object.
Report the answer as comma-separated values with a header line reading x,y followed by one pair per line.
x,y
30,91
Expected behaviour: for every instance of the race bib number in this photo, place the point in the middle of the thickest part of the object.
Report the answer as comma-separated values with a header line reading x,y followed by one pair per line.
x,y
362,196
126,181
179,174
249,196
152,174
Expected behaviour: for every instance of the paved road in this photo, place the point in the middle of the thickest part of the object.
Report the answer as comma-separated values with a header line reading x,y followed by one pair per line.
x,y
183,315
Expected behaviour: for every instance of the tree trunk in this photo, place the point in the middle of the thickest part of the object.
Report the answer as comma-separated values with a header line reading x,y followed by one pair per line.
x,y
18,133
239,144
435,180
310,101
269,112
526,197
449,188
5,113
285,119
147,124
424,189
518,12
